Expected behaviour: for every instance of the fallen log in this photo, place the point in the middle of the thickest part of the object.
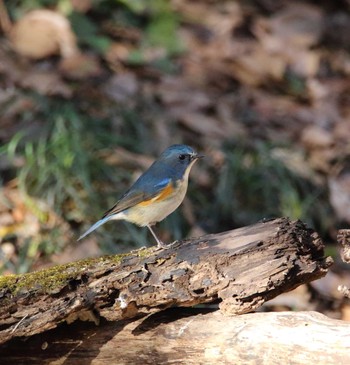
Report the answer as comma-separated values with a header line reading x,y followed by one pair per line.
x,y
241,269
190,336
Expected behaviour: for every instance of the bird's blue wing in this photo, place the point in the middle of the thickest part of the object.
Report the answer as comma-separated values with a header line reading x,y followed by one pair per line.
x,y
141,191
162,184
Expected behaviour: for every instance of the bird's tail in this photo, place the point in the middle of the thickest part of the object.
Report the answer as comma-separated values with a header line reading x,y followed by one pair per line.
x,y
95,226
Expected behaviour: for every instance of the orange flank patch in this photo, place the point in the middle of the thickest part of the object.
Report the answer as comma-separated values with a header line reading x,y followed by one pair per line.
x,y
167,191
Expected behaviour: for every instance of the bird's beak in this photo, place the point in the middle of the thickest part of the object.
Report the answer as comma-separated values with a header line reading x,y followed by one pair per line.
x,y
196,156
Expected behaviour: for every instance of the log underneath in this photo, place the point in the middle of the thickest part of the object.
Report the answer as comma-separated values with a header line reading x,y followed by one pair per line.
x,y
191,336
242,269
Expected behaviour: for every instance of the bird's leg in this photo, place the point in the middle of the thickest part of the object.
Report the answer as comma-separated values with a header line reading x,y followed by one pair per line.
x,y
159,242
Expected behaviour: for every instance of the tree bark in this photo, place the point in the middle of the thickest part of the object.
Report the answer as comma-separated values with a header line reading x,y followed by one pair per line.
x,y
242,269
190,336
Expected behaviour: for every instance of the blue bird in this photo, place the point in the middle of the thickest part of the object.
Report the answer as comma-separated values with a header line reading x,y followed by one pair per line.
x,y
156,193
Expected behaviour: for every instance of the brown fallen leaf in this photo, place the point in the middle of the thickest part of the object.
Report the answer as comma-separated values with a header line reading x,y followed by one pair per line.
x,y
202,124
257,66
122,157
178,92
209,38
290,33
45,83
122,87
30,76
321,159
117,55
316,137
42,33
342,131
296,24
82,6
276,117
341,62
221,19
80,66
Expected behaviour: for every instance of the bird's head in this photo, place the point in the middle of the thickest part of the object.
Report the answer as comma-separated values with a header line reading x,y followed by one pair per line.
x,y
180,157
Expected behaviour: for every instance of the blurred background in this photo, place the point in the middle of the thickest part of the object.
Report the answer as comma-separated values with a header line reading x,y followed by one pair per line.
x,y
91,91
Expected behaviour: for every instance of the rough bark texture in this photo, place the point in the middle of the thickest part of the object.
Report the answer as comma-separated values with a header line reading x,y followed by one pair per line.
x,y
242,268
191,336
343,239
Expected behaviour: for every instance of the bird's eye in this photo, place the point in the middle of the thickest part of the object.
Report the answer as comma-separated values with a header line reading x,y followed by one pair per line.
x,y
182,157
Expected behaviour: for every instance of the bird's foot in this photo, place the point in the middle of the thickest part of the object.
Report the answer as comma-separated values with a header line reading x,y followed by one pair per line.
x,y
165,246
162,245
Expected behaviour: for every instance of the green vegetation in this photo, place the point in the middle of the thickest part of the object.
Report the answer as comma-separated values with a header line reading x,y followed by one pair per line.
x,y
61,164
254,185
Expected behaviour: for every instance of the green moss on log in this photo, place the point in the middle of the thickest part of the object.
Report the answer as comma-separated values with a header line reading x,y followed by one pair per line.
x,y
52,279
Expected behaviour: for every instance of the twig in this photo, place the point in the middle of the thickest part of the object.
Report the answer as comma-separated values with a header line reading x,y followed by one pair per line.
x,y
19,323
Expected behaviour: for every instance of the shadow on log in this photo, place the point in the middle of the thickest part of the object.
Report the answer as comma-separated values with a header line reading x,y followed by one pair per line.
x,y
241,269
190,336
